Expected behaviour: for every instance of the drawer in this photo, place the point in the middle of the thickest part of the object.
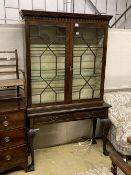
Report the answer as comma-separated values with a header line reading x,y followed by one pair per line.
x,y
52,119
90,114
12,137
70,117
13,157
12,120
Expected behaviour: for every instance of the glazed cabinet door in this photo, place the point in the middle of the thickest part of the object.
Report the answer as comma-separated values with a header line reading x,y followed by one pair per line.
x,y
88,43
48,45
67,62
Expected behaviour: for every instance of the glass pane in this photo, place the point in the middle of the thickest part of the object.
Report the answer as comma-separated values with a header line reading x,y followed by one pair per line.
x,y
47,52
87,62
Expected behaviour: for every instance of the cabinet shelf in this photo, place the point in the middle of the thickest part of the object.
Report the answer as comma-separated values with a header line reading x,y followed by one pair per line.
x,y
62,78
48,70
48,62
45,70
38,91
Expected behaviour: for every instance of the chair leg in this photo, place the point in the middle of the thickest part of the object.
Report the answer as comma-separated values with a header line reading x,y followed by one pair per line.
x,y
18,90
114,168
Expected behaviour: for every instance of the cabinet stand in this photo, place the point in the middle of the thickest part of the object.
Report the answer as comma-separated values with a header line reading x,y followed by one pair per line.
x,y
37,119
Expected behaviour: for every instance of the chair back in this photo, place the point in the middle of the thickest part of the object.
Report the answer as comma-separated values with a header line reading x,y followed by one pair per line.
x,y
9,65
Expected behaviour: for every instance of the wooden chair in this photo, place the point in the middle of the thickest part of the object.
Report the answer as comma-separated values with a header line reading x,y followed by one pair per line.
x,y
117,161
11,82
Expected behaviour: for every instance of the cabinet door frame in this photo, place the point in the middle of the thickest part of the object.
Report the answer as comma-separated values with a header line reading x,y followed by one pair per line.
x,y
69,43
105,34
66,25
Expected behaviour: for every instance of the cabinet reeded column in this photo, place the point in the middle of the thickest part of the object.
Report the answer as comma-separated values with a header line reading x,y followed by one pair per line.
x,y
65,68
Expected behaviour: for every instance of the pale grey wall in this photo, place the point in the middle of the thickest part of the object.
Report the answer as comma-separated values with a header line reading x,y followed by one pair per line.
x,y
11,37
118,71
61,133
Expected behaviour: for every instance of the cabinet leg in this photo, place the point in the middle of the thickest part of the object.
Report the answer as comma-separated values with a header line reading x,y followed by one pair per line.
x,y
106,127
31,134
94,130
25,168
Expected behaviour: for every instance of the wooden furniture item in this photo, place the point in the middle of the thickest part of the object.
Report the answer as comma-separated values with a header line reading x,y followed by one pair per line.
x,y
13,142
65,68
117,161
11,81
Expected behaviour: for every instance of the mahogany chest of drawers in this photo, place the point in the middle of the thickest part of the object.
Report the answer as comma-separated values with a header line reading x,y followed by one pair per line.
x,y
13,144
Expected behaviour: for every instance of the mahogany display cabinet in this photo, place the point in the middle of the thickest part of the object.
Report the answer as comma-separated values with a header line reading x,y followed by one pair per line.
x,y
65,69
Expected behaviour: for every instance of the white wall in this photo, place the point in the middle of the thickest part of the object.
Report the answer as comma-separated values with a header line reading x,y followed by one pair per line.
x,y
118,69
118,74
11,38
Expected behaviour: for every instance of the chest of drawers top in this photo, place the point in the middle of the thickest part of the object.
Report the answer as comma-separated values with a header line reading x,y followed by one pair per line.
x,y
11,105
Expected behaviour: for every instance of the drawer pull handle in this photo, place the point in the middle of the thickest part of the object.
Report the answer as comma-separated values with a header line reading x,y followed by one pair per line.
x,y
7,139
5,123
8,157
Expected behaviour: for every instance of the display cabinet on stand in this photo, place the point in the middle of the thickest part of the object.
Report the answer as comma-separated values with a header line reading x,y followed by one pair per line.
x,y
65,68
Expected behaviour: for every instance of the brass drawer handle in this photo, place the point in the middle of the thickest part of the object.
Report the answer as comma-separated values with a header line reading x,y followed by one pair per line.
x,y
8,157
7,139
5,123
